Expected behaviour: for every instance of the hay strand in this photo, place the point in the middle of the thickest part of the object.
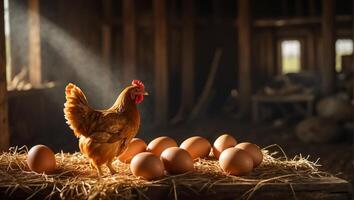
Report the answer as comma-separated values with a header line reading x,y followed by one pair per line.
x,y
74,178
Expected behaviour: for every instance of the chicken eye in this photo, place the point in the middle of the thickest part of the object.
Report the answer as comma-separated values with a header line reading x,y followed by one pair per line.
x,y
134,92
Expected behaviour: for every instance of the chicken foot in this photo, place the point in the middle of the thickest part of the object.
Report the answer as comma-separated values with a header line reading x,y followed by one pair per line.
x,y
110,167
98,168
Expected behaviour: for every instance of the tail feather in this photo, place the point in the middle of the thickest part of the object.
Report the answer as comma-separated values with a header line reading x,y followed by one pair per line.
x,y
76,110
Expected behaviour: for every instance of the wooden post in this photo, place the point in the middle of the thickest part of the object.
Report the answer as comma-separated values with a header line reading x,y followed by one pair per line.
x,y
106,44
312,7
160,62
4,127
353,66
217,11
328,41
311,51
270,53
188,55
299,7
129,40
107,32
34,47
284,8
244,54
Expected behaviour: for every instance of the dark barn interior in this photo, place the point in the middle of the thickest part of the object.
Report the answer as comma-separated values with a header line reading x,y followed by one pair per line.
x,y
270,72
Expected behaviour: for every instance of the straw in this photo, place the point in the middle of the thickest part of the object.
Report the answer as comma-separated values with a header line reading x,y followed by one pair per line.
x,y
74,178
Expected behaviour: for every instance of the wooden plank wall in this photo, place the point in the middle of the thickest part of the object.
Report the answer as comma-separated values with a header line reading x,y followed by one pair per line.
x,y
190,26
4,128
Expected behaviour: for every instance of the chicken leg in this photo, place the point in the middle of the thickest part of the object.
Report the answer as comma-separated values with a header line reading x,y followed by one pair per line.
x,y
98,168
110,167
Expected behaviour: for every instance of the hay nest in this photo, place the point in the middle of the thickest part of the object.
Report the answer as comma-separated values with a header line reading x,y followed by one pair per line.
x,y
75,179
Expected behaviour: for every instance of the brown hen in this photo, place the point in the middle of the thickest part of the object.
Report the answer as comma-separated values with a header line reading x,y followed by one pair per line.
x,y
104,134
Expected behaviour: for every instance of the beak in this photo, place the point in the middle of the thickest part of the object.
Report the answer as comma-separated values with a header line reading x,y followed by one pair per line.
x,y
146,94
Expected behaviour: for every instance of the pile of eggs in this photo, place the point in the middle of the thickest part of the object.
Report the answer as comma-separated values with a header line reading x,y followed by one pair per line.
x,y
150,161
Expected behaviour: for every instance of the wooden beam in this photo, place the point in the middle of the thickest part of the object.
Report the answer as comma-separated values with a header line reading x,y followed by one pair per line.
x,y
244,54
160,61
297,21
4,127
107,32
34,47
328,41
188,54
129,40
282,22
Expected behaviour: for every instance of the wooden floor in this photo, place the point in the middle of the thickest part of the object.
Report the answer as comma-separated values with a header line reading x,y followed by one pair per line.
x,y
326,189
329,188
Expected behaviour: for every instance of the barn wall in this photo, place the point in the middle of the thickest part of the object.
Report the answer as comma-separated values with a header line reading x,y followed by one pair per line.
x,y
216,26
266,53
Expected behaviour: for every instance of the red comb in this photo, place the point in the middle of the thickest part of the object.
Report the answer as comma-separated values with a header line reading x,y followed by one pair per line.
x,y
138,83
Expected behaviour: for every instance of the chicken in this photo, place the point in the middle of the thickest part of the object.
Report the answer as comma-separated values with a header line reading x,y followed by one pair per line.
x,y
104,134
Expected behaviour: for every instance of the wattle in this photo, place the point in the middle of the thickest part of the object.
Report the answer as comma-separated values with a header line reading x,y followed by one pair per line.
x,y
139,99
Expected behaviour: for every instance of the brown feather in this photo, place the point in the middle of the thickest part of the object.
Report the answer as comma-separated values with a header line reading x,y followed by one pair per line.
x,y
103,134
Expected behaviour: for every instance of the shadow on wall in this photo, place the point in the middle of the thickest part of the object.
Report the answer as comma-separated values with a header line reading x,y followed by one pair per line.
x,y
70,53
36,118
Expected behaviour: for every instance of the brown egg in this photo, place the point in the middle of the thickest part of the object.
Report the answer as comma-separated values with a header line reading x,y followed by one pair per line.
x,y
253,150
177,160
147,165
223,142
197,147
41,159
158,145
236,161
135,146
